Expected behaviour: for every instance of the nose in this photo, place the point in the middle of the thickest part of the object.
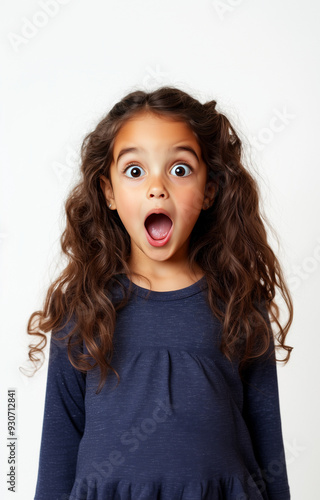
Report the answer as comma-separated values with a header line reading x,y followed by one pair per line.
x,y
157,188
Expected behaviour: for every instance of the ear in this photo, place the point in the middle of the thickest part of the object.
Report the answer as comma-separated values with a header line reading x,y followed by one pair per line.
x,y
107,190
209,194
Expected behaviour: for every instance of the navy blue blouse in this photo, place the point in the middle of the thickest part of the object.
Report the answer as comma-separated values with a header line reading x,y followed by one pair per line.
x,y
180,425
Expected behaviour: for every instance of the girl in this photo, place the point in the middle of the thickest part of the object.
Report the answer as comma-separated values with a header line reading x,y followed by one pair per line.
x,y
162,379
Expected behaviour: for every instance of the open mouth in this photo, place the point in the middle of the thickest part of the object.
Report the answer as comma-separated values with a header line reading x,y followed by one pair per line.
x,y
158,226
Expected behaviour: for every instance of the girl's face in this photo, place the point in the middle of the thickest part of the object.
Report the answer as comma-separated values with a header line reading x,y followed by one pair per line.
x,y
157,166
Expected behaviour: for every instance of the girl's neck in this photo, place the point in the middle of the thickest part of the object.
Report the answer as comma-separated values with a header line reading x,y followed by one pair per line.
x,y
167,282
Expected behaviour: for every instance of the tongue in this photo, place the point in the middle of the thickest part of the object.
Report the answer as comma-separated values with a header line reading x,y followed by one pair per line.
x,y
158,226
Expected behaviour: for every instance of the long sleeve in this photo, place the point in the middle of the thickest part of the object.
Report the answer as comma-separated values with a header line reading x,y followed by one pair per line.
x,y
262,415
63,423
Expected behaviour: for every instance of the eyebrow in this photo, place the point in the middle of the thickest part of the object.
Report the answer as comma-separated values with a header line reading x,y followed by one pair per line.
x,y
175,148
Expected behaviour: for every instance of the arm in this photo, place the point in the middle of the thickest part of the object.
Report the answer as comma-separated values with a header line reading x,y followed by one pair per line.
x,y
63,423
262,414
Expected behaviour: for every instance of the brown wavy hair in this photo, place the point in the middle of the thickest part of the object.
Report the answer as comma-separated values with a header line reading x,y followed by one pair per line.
x,y
228,241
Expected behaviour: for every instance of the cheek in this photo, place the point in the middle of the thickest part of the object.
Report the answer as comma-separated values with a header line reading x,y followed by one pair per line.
x,y
190,203
126,207
122,191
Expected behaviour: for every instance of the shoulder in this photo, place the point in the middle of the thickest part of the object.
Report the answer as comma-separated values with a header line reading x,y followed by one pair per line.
x,y
65,338
61,334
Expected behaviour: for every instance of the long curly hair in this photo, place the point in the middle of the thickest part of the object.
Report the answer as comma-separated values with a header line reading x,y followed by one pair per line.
x,y
228,242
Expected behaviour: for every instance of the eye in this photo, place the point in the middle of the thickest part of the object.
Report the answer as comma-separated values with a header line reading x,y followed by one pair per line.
x,y
180,170
134,171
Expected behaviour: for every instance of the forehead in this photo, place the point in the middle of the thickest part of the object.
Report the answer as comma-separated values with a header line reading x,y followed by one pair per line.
x,y
147,129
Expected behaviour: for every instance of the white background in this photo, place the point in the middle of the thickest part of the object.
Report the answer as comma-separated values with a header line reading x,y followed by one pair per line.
x,y
259,60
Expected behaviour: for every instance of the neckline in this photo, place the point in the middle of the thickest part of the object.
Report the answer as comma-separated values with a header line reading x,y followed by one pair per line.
x,y
181,293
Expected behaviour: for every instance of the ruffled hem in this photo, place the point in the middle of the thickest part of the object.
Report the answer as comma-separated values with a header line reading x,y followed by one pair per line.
x,y
231,488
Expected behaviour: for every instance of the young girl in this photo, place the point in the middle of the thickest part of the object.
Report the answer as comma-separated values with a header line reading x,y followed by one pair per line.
x,y
162,379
